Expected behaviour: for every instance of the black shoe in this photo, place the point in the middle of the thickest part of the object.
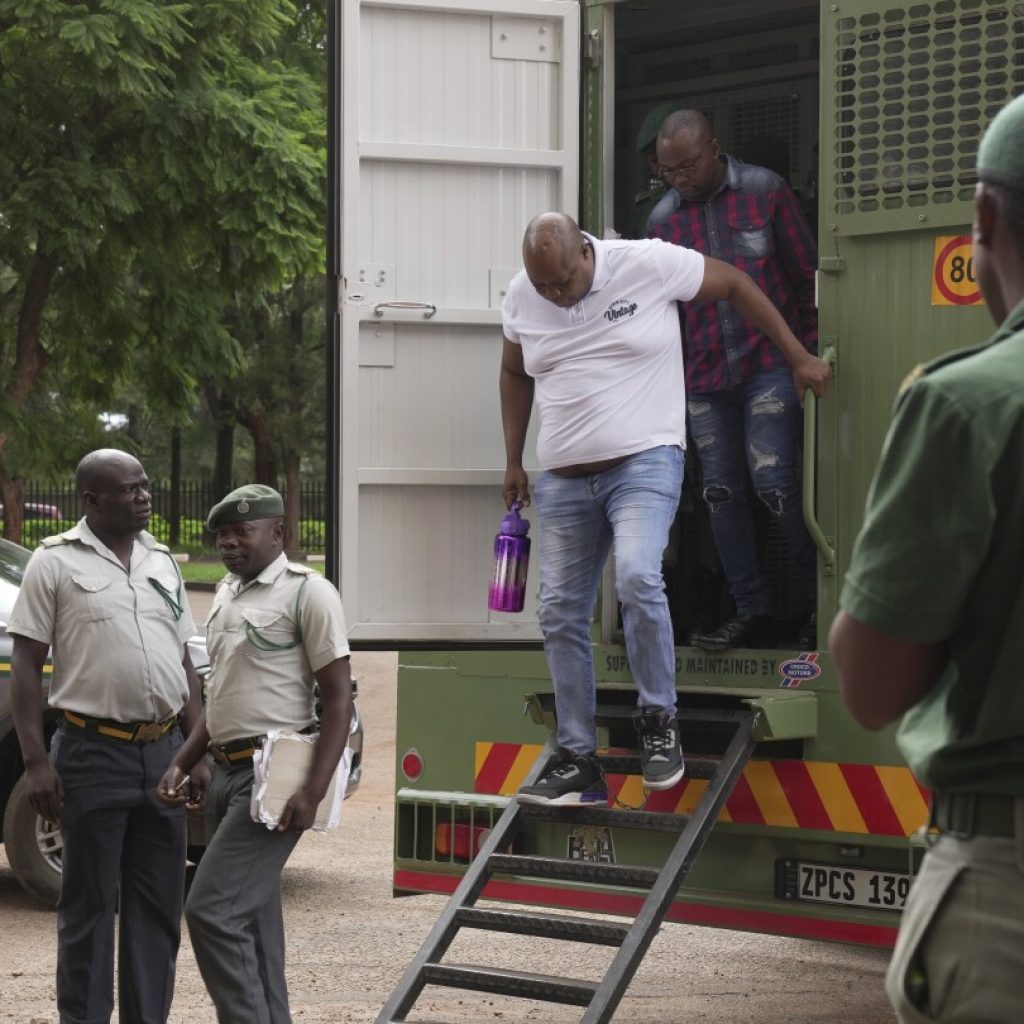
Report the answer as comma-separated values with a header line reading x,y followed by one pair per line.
x,y
807,637
739,631
660,752
570,779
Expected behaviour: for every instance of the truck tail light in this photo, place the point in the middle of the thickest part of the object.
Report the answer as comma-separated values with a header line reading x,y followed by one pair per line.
x,y
459,842
412,764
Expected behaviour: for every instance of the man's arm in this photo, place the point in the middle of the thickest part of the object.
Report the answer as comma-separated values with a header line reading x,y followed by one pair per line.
x,y
881,676
724,281
335,682
45,790
515,386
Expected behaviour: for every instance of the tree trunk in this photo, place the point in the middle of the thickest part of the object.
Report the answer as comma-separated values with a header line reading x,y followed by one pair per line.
x,y
222,410
292,500
12,495
264,466
174,509
30,358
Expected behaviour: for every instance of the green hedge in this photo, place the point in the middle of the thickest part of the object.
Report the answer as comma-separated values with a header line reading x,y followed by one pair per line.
x,y
194,539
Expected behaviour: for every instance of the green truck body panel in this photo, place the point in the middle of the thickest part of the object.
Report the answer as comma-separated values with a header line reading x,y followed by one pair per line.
x,y
904,93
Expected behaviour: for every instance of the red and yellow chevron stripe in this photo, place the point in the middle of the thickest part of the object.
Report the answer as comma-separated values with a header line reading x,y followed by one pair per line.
x,y
858,798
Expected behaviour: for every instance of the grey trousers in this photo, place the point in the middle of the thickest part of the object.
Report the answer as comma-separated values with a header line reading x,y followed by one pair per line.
x,y
959,958
233,908
124,852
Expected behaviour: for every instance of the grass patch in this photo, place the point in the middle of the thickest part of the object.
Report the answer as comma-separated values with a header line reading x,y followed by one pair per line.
x,y
214,571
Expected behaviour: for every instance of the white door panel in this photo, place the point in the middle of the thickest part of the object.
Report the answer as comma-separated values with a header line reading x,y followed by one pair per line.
x,y
460,124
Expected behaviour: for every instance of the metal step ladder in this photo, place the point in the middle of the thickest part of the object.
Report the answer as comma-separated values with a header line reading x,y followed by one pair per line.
x,y
599,997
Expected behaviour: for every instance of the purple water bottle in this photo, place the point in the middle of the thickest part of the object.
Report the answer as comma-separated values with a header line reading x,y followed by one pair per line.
x,y
511,558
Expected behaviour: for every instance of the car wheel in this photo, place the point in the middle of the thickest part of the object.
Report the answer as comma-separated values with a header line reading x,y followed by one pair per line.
x,y
33,846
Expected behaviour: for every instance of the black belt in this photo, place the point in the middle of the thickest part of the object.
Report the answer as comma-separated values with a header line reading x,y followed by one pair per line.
x,y
974,814
235,751
121,732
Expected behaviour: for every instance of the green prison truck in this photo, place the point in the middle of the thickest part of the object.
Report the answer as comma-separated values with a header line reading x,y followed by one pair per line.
x,y
452,124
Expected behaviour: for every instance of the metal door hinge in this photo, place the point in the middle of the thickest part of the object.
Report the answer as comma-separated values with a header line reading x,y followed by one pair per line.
x,y
831,264
593,49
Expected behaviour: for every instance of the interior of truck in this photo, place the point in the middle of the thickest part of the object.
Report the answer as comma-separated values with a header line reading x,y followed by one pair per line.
x,y
753,69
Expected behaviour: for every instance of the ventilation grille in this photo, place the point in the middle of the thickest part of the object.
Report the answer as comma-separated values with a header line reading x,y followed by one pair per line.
x,y
777,117
764,57
915,88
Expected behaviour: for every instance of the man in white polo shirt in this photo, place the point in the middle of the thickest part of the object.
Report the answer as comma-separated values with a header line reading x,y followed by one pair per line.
x,y
592,334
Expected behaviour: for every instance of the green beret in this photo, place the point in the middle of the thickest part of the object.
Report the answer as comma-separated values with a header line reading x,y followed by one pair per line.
x,y
648,134
1001,154
253,501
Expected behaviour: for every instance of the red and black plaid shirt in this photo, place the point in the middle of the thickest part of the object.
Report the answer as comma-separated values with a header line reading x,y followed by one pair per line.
x,y
755,223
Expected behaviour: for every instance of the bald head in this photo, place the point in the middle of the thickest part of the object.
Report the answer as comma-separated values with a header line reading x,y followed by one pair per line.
x,y
551,231
692,122
96,467
559,260
115,493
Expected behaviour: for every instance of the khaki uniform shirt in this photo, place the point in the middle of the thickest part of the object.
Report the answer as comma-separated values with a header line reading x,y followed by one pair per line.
x,y
266,638
940,560
117,635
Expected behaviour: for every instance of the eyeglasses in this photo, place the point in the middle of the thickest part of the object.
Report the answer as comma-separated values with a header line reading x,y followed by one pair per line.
x,y
671,173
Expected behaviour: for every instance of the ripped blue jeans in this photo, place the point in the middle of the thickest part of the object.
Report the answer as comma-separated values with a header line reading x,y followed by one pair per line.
x,y
752,429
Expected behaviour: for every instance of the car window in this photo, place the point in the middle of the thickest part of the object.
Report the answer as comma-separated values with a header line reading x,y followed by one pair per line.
x,y
13,559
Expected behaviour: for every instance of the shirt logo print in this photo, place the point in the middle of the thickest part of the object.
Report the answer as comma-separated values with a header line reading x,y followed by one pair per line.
x,y
620,308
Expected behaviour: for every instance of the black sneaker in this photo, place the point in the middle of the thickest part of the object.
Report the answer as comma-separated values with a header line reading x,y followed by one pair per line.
x,y
570,779
661,754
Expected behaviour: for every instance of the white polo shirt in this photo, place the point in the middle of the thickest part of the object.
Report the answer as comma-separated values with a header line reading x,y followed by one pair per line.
x,y
608,373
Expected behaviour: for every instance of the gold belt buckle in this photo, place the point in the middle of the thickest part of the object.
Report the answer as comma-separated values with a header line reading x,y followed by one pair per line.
x,y
148,732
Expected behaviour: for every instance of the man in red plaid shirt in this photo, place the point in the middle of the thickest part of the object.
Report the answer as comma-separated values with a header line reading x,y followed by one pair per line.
x,y
743,393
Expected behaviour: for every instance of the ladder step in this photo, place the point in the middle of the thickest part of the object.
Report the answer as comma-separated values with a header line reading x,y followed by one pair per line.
x,y
611,714
572,870
548,988
650,821
547,926
629,764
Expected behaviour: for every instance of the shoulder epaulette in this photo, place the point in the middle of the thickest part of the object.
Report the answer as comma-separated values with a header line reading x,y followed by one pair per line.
x,y
301,568
52,542
162,547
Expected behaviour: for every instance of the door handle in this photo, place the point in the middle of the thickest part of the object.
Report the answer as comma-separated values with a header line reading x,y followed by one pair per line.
x,y
821,542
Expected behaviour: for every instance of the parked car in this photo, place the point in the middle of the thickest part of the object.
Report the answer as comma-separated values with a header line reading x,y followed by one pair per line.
x,y
37,510
33,845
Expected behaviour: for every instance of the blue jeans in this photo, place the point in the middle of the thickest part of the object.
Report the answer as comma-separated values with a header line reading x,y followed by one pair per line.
x,y
628,509
753,428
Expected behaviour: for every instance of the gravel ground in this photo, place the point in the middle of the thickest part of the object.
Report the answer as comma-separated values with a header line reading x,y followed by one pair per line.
x,y
349,941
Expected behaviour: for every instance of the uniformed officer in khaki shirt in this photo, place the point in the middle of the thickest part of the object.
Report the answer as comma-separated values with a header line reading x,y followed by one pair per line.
x,y
275,630
110,602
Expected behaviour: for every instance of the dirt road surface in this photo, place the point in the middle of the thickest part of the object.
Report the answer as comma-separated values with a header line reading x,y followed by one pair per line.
x,y
349,941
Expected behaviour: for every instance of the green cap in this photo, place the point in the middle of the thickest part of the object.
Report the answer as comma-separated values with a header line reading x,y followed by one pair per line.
x,y
648,134
253,501
1001,154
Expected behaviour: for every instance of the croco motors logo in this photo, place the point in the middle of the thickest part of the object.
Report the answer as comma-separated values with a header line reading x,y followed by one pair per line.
x,y
620,308
798,670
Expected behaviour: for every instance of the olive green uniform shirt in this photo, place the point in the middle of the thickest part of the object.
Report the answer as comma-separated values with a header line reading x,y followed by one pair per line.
x,y
940,560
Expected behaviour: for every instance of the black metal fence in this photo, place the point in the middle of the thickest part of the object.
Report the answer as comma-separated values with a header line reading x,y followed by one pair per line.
x,y
46,505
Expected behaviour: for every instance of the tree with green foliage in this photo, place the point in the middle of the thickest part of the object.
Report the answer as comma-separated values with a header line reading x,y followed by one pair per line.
x,y
160,160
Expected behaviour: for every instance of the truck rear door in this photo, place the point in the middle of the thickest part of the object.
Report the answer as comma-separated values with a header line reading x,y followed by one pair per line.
x,y
458,122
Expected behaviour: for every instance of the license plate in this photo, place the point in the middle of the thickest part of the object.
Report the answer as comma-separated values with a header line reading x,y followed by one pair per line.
x,y
841,885
591,843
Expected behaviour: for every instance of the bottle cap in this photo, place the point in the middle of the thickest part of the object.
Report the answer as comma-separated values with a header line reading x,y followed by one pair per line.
x,y
512,524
